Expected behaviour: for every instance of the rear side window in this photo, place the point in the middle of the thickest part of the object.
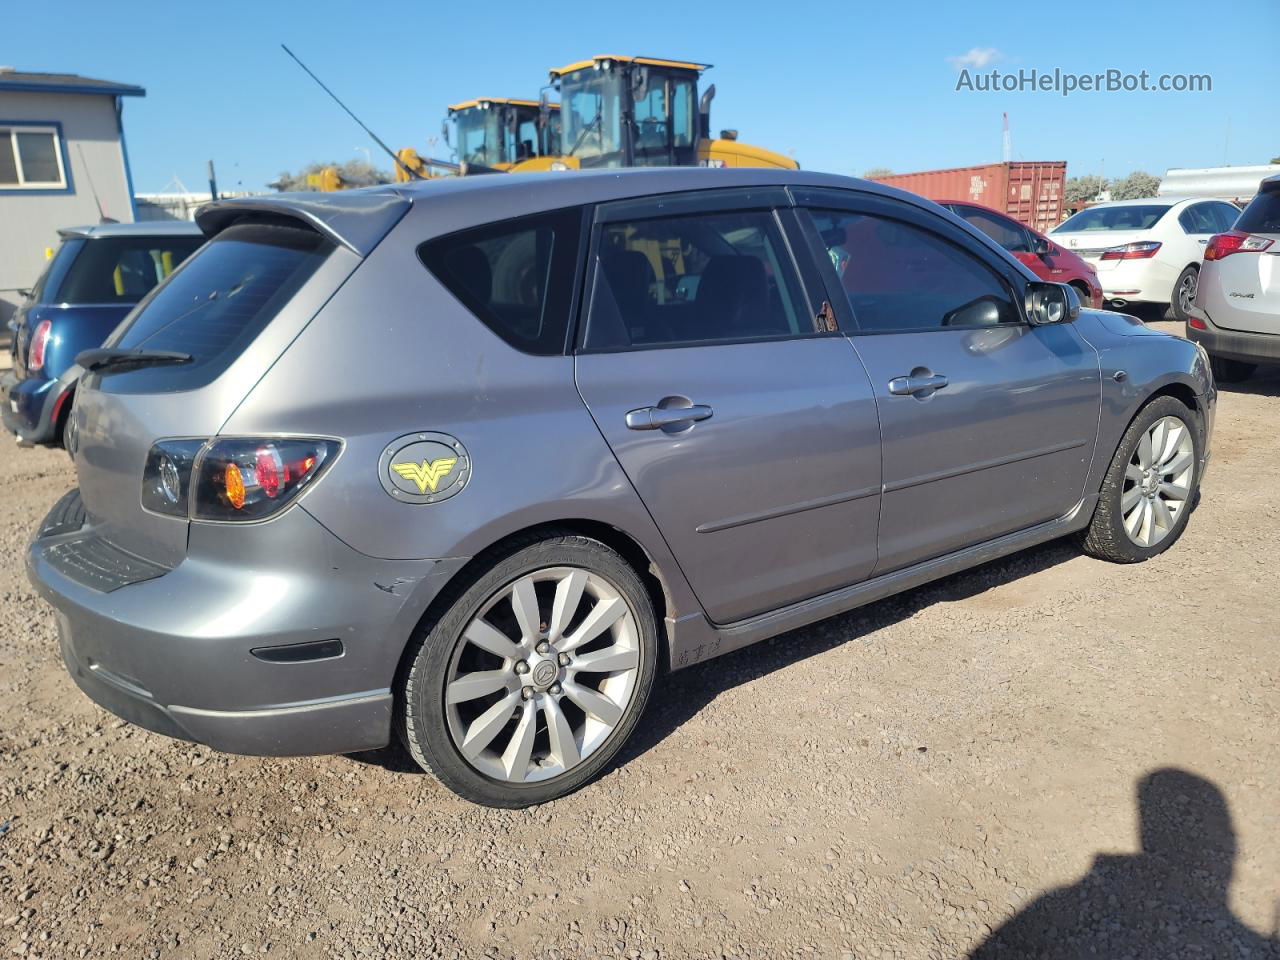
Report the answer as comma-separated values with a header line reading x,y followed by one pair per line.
x,y
899,277
122,270
1262,215
1008,234
1199,218
516,276
711,278
224,298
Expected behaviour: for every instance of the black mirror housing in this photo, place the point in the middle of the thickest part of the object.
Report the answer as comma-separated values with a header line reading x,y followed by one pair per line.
x,y
1050,303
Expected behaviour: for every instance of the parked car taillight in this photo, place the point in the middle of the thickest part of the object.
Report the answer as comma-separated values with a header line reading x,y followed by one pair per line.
x,y
39,343
1132,251
232,479
1224,244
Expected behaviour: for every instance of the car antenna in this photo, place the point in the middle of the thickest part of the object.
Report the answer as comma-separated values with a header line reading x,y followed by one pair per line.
x,y
102,216
413,174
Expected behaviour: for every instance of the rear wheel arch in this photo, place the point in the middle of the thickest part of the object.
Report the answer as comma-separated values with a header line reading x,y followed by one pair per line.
x,y
621,542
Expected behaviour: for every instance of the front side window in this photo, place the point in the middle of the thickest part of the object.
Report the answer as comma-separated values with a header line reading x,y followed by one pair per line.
x,y
515,276
900,277
1008,234
122,269
721,277
30,158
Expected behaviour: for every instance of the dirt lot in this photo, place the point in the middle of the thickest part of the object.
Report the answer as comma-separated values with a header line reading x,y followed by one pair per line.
x,y
899,782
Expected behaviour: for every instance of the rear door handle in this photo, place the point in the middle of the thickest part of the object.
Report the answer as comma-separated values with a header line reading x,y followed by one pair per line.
x,y
655,418
916,384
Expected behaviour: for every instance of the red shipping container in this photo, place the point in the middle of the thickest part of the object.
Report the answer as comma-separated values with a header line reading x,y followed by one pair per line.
x,y
1031,193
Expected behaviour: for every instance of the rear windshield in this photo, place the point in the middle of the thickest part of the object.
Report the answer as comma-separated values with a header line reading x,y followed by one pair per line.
x,y
1100,219
121,269
217,305
1262,215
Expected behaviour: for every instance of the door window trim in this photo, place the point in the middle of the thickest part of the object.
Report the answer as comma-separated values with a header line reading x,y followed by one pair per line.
x,y
771,201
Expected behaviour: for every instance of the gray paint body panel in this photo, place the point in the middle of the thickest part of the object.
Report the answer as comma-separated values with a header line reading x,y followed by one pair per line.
x,y
374,348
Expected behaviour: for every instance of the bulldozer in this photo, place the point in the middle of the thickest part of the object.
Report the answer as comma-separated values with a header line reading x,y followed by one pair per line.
x,y
493,135
641,112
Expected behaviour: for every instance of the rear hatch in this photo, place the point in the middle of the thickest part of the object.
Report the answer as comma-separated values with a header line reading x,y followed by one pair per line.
x,y
233,307
1249,280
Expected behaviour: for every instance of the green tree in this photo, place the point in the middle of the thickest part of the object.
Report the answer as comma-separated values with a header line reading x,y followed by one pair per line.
x,y
353,173
1080,190
877,172
1135,186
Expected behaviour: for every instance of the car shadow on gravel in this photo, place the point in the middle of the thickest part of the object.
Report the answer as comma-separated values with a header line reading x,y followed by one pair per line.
x,y
679,696
1264,383
1168,900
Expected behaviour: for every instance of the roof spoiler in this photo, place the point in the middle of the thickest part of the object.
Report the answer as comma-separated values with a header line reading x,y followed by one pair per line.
x,y
352,219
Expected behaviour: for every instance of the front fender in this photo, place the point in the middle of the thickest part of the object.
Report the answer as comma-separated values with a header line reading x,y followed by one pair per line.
x,y
1138,363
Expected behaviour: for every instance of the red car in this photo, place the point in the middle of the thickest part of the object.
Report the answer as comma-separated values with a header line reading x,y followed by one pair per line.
x,y
1047,260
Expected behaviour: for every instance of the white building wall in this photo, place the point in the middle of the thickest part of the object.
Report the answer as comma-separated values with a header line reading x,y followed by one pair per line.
x,y
29,222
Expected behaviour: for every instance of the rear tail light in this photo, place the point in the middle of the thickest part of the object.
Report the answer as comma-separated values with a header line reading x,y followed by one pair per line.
x,y
231,479
39,345
1224,244
1141,250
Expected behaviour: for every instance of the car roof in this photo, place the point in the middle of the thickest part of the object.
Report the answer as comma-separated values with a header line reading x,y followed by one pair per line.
x,y
358,219
1151,202
147,228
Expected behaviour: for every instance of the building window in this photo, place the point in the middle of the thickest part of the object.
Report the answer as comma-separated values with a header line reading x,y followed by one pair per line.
x,y
31,159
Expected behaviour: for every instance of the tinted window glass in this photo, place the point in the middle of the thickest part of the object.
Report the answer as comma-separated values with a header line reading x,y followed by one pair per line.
x,y
711,278
224,298
123,269
900,277
1137,217
1008,234
515,276
1227,214
1199,218
1262,215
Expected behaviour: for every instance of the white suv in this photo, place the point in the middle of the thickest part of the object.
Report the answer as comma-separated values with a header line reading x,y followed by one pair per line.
x,y
1147,251
1236,314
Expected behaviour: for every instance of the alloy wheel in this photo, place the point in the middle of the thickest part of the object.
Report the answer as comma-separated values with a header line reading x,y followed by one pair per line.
x,y
1187,292
542,674
1157,481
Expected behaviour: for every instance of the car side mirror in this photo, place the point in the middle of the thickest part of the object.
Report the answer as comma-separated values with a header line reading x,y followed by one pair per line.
x,y
1040,246
1050,303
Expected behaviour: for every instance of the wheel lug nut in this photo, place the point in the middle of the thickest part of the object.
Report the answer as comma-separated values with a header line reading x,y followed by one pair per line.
x,y
526,693
563,659
522,667
544,647
554,688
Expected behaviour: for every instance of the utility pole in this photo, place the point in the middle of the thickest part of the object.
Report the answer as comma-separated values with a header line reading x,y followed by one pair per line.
x,y
1008,142
213,183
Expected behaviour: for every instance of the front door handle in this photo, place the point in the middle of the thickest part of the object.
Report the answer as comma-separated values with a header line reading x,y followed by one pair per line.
x,y
656,418
916,384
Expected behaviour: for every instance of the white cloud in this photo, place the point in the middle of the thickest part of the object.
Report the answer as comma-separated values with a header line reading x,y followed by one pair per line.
x,y
976,58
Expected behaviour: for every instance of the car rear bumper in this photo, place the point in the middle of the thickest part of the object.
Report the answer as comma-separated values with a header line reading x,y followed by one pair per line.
x,y
1234,345
1136,281
31,407
183,652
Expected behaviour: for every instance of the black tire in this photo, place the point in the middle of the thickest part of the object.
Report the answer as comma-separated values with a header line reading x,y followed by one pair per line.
x,y
1230,371
1105,537
423,722
1184,292
1083,293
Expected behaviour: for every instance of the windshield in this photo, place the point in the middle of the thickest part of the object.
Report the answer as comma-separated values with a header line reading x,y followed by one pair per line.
x,y
1100,219
479,136
121,269
590,111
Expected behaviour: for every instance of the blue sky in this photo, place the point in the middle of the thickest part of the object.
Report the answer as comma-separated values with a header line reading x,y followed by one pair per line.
x,y
842,86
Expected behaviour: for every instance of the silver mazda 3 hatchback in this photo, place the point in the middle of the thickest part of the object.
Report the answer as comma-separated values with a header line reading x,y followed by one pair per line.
x,y
473,463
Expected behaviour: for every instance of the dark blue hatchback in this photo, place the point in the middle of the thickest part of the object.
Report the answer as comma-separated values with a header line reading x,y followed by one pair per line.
x,y
97,276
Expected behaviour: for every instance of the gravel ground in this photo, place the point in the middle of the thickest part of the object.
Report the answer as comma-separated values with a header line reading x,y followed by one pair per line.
x,y
1063,751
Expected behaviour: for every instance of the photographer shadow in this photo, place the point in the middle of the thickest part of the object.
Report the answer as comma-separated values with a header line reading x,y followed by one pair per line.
x,y
1168,900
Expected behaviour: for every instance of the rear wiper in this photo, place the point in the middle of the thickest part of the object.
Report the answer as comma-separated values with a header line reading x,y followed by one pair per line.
x,y
110,360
